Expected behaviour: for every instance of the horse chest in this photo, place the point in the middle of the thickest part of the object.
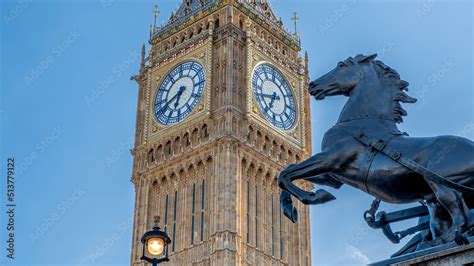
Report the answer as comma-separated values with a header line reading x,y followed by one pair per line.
x,y
392,182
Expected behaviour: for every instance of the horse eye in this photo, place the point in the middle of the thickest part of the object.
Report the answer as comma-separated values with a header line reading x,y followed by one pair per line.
x,y
341,65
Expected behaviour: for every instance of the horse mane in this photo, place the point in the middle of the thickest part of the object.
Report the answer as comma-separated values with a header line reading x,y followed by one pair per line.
x,y
398,85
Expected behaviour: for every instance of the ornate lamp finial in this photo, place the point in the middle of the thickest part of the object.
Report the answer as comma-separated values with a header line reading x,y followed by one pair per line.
x,y
156,220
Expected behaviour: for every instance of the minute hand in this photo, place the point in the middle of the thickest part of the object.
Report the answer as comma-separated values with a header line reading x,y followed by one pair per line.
x,y
272,96
177,95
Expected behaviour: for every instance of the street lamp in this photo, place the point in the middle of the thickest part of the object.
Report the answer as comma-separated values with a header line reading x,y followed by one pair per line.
x,y
155,245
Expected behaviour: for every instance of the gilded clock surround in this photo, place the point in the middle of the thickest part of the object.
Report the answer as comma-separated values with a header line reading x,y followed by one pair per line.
x,y
201,54
163,94
291,91
224,141
296,83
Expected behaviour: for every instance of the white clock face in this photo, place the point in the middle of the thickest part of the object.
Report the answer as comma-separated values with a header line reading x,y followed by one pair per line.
x,y
179,93
274,97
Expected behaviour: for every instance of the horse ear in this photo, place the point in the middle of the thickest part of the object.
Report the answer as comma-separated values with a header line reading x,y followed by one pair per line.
x,y
367,58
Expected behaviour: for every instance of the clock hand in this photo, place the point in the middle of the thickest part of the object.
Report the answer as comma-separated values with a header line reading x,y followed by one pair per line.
x,y
180,92
274,97
271,103
177,95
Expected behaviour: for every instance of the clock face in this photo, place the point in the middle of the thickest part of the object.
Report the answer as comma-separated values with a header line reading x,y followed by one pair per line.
x,y
179,93
274,97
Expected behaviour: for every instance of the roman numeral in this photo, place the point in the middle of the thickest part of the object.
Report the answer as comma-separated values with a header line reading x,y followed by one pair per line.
x,y
163,109
197,73
191,68
188,107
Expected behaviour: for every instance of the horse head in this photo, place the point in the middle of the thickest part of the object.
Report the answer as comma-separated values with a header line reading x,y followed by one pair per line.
x,y
369,81
341,80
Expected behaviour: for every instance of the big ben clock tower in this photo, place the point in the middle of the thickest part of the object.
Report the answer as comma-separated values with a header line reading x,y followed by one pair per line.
x,y
222,108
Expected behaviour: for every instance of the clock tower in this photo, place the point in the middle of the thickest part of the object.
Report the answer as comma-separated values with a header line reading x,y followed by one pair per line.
x,y
222,108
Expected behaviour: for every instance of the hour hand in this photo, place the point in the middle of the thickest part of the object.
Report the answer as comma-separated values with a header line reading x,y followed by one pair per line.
x,y
178,96
273,96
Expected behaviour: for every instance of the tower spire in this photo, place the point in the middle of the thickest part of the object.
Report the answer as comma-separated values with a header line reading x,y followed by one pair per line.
x,y
306,64
296,19
156,12
142,63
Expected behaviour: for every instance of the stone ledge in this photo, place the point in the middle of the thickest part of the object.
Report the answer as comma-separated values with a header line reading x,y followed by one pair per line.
x,y
446,255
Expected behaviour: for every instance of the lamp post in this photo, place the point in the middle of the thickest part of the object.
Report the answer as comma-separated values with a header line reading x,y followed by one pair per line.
x,y
155,245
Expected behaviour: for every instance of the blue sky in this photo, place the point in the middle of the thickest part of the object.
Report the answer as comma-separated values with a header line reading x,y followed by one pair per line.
x,y
68,109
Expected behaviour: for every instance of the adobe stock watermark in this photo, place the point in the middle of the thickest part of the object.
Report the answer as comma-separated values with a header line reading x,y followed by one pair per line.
x,y
58,51
336,15
107,243
117,72
107,3
61,209
431,81
116,154
447,150
427,7
40,148
16,11
386,48
357,255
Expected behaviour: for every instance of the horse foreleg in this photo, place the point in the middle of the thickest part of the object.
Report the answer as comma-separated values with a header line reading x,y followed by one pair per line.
x,y
316,165
325,180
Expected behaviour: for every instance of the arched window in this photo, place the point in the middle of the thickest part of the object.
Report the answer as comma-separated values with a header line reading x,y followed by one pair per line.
x,y
186,140
168,148
249,134
174,220
204,132
177,144
192,213
159,152
166,213
248,212
194,136
203,200
151,156
257,202
265,143
272,225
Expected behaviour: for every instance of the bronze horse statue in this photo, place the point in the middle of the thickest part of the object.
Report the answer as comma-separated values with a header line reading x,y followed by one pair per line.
x,y
366,150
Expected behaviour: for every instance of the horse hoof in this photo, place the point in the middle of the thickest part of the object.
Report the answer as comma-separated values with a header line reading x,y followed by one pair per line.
x,y
460,239
320,196
291,212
